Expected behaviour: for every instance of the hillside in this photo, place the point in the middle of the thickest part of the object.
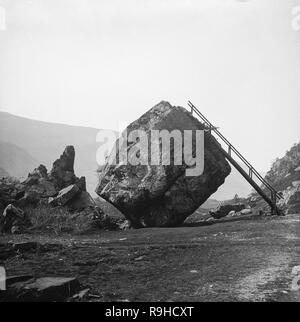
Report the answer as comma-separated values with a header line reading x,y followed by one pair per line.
x,y
16,161
284,176
285,170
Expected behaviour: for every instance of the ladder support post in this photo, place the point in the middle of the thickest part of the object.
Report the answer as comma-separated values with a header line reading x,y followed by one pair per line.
x,y
271,200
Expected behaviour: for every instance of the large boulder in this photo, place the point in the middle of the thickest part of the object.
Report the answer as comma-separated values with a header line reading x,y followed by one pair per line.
x,y
162,195
291,198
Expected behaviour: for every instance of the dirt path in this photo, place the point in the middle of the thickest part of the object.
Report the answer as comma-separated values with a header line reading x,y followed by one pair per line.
x,y
237,261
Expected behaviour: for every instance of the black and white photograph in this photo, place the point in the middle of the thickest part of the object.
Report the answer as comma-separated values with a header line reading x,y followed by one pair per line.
x,y
149,154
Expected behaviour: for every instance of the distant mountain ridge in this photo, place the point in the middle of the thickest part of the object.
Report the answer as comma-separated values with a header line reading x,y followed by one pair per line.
x,y
16,161
3,173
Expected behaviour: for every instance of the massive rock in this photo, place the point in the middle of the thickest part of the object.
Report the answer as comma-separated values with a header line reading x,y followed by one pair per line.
x,y
162,195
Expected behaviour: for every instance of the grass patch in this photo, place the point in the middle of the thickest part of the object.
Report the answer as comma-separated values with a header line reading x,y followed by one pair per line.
x,y
59,220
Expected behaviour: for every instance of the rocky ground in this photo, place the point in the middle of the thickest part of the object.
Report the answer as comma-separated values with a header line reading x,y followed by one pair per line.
x,y
247,260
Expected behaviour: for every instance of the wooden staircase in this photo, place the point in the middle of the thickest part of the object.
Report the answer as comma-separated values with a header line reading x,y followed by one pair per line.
x,y
251,172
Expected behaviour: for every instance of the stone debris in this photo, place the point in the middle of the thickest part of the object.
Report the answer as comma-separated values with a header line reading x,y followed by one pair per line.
x,y
224,210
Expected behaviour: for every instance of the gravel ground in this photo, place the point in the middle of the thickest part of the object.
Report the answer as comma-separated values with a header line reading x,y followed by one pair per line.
x,y
249,260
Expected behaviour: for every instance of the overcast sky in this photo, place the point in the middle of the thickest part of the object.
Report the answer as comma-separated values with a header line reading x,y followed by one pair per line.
x,y
97,63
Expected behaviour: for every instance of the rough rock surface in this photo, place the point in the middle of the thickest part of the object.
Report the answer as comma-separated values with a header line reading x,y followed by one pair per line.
x,y
284,176
65,195
291,198
62,173
39,183
13,220
82,201
159,195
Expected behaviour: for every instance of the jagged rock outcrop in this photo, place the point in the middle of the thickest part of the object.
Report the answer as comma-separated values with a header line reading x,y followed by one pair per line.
x,y
62,173
162,195
60,187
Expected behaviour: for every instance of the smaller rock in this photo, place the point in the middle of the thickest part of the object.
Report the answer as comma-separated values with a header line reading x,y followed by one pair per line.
x,y
224,210
42,289
13,220
81,294
65,195
232,213
16,230
82,201
124,225
139,258
246,211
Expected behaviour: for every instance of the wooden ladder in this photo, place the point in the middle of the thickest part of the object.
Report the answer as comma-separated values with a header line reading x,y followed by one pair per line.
x,y
248,175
